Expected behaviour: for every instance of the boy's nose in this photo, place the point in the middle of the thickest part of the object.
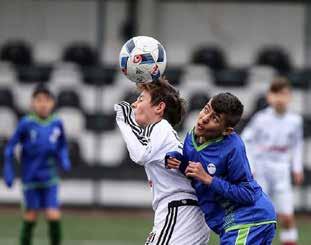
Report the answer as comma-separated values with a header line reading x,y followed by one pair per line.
x,y
205,119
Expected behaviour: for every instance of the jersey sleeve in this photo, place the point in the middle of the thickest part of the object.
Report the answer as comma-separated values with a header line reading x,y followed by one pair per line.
x,y
238,186
8,170
297,148
143,144
63,155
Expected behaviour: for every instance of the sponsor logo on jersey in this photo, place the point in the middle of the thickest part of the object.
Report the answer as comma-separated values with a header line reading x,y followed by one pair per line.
x,y
211,168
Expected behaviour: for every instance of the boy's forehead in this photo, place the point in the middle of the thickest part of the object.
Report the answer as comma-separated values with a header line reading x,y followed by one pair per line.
x,y
43,95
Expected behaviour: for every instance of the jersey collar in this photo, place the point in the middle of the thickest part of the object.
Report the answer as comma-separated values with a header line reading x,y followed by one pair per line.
x,y
207,143
39,120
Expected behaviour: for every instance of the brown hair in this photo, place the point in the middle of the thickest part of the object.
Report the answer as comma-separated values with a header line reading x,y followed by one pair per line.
x,y
279,84
162,91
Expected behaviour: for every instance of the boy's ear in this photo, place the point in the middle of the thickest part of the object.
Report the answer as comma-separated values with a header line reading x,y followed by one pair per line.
x,y
227,131
160,107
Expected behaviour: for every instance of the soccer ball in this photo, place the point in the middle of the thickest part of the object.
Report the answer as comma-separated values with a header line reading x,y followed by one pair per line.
x,y
142,59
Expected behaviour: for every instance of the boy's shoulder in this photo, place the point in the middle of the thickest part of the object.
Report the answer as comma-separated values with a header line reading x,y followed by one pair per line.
x,y
32,118
233,141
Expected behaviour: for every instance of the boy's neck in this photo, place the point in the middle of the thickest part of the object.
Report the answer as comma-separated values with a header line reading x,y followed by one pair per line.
x,y
201,139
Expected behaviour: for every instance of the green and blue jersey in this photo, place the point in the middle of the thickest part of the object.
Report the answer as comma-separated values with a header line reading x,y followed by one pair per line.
x,y
234,199
43,146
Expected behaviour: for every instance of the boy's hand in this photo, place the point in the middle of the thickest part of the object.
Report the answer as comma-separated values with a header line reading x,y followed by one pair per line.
x,y
9,181
172,163
196,170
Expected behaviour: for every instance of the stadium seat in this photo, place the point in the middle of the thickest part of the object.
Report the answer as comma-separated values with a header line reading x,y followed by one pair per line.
x,y
47,52
211,56
111,149
65,75
3,142
100,122
173,74
8,121
88,141
68,98
260,103
231,78
307,127
33,73
89,98
130,96
7,75
6,98
74,152
198,100
23,93
73,121
17,52
98,75
81,53
300,79
307,153
276,57
298,102
196,78
241,125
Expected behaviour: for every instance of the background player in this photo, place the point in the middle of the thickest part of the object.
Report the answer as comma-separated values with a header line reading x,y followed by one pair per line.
x,y
214,157
43,142
178,220
274,141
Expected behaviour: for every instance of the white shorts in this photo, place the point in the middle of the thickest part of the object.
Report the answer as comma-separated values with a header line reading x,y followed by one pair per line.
x,y
182,223
275,181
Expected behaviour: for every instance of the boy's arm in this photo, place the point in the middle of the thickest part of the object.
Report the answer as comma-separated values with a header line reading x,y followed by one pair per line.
x,y
237,187
297,155
8,171
142,147
175,160
63,155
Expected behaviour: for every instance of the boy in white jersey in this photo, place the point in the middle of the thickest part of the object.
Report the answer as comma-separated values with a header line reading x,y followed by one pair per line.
x,y
274,143
146,127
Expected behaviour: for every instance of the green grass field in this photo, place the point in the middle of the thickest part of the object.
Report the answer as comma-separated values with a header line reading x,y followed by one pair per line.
x,y
104,228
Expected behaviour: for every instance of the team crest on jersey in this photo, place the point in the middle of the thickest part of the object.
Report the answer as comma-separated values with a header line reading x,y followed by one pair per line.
x,y
211,168
54,135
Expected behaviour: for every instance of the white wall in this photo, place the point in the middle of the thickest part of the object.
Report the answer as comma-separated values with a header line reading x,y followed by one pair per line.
x,y
240,28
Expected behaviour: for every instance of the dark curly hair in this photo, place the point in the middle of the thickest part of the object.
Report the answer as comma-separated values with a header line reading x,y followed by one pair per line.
x,y
162,91
230,105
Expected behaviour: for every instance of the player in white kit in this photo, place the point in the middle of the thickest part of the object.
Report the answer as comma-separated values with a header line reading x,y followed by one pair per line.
x,y
274,144
146,127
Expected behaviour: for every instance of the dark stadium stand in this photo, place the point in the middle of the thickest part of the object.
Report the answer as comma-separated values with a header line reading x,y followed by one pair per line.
x,y
81,53
276,57
17,52
87,89
231,77
211,56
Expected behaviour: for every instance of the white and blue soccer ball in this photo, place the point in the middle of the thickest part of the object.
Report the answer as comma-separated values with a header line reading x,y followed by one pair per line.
x,y
142,59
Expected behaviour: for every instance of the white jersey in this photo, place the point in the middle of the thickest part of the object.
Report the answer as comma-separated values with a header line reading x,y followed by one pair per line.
x,y
178,220
149,150
275,139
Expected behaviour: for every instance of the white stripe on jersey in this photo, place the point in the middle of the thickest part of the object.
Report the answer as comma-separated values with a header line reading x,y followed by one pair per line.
x,y
161,139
